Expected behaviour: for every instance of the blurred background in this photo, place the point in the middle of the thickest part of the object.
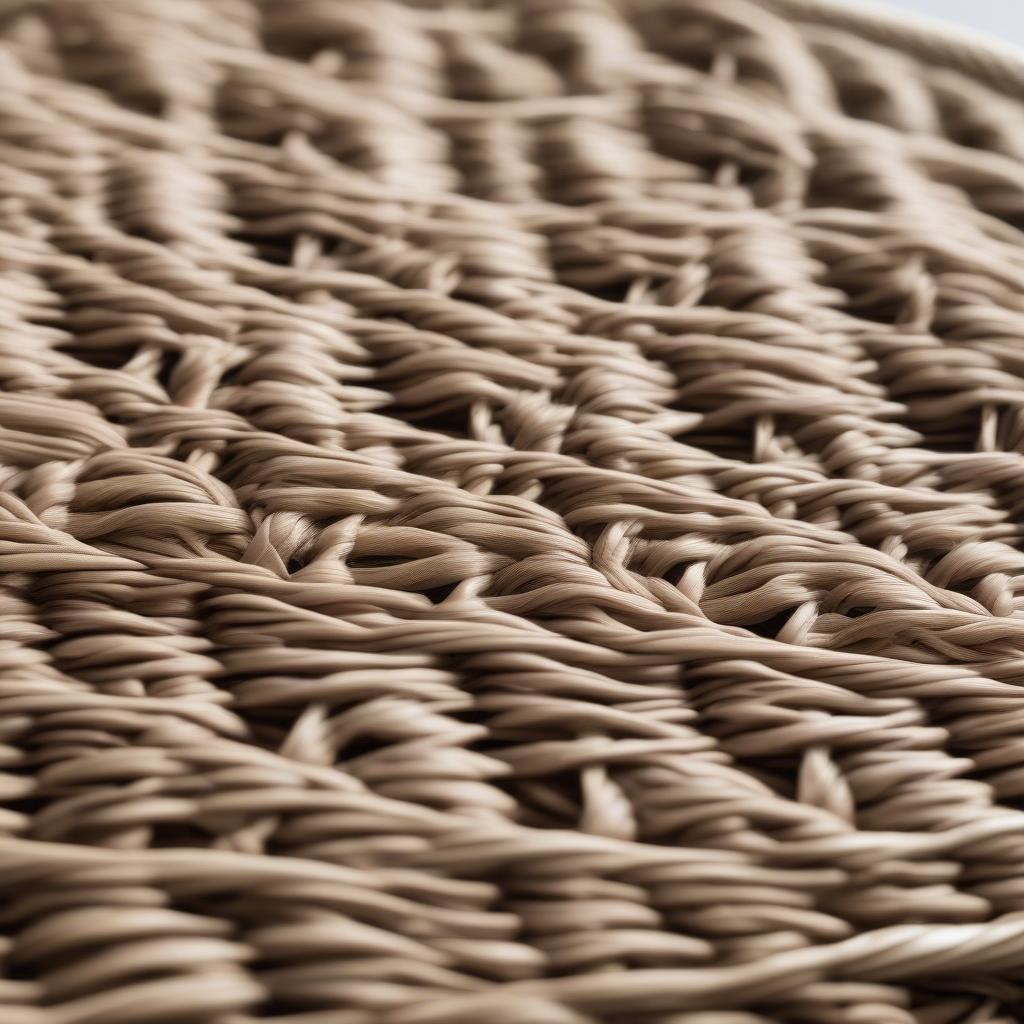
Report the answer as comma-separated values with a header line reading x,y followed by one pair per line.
x,y
1001,18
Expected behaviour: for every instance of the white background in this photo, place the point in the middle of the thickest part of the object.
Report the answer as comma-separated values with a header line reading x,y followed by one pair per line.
x,y
1001,18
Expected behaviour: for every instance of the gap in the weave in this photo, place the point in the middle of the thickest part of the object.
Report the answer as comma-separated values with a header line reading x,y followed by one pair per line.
x,y
276,250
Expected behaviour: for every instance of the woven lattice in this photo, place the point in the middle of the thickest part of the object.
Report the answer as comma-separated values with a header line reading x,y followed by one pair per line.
x,y
508,515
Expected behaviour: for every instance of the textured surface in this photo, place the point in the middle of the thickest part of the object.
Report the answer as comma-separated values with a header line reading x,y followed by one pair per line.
x,y
509,515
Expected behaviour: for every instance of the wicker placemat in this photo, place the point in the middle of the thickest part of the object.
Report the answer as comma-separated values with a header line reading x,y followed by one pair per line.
x,y
509,514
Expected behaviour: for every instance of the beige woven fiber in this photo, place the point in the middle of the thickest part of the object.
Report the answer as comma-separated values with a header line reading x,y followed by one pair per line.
x,y
510,513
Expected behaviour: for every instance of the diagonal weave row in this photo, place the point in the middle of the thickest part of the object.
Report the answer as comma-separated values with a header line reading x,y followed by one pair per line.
x,y
508,514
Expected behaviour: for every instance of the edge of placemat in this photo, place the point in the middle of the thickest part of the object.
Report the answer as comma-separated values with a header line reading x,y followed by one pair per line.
x,y
983,56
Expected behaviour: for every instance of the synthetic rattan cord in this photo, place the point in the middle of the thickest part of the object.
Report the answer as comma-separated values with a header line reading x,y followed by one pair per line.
x,y
508,514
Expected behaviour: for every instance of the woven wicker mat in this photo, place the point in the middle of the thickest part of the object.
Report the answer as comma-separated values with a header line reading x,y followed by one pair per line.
x,y
508,515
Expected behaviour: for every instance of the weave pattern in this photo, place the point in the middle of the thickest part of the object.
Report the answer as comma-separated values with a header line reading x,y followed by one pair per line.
x,y
509,513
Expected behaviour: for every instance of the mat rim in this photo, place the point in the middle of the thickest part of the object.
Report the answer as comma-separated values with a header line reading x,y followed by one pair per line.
x,y
957,47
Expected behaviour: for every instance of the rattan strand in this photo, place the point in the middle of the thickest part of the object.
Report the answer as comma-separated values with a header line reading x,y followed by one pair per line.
x,y
508,514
